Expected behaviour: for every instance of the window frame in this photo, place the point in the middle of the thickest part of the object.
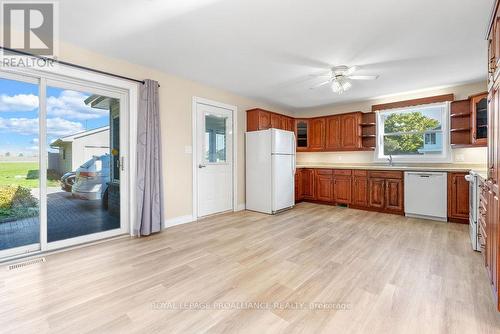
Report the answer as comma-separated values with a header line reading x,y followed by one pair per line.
x,y
444,157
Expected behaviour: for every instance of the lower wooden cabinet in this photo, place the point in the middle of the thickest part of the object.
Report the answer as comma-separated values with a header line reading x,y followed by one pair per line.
x,y
493,241
298,185
458,198
360,191
373,190
323,185
394,194
308,184
376,191
342,189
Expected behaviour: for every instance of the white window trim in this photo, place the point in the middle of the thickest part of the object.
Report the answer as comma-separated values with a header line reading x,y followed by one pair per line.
x,y
445,157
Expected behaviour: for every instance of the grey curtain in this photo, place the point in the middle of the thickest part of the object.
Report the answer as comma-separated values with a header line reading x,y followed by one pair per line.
x,y
149,187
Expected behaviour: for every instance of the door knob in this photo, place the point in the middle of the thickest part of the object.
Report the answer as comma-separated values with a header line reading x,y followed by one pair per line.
x,y
201,166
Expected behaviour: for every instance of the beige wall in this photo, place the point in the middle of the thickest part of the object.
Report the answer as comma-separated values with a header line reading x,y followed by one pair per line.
x,y
175,107
462,155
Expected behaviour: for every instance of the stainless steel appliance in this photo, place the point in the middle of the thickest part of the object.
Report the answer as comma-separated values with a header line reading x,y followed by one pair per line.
x,y
472,178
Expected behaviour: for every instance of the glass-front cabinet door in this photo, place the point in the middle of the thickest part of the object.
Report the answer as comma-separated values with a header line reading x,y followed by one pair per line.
x,y
479,104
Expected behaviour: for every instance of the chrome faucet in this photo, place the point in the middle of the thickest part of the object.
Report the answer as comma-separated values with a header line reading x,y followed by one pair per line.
x,y
390,160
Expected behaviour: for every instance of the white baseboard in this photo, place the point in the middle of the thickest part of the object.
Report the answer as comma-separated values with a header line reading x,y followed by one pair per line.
x,y
241,207
178,221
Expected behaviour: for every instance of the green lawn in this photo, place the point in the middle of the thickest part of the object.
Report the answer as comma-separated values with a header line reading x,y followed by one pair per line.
x,y
23,174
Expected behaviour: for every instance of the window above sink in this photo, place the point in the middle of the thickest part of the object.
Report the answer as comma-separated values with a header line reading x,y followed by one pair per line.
x,y
414,134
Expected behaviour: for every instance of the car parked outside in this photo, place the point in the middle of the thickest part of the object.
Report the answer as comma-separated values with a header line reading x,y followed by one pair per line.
x,y
92,178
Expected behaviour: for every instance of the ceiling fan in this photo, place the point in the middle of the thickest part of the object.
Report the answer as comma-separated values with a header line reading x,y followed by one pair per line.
x,y
340,77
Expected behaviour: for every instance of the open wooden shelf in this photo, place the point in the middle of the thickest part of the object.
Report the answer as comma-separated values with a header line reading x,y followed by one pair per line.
x,y
368,131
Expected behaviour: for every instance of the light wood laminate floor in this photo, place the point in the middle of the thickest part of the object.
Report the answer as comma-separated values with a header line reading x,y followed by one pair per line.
x,y
391,274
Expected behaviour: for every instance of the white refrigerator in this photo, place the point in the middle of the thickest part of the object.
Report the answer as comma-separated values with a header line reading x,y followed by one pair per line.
x,y
270,170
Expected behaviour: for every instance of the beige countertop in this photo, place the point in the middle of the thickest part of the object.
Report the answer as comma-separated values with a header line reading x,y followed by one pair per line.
x,y
479,168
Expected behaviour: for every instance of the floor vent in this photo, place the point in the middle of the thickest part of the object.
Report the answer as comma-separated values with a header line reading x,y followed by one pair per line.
x,y
26,263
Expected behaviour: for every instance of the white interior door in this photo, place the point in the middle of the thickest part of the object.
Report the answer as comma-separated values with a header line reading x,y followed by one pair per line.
x,y
214,159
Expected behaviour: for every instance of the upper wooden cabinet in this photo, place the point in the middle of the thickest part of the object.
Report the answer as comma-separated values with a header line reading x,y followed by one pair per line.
x,y
333,138
479,119
275,121
302,134
260,119
317,134
331,133
469,121
351,131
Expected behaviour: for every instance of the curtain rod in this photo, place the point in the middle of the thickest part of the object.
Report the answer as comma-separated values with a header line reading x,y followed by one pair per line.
x,y
71,64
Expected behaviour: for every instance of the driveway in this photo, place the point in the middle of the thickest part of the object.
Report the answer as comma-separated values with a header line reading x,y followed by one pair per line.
x,y
68,217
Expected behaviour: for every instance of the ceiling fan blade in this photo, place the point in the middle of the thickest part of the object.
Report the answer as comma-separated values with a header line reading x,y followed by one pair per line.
x,y
363,77
322,74
351,70
320,84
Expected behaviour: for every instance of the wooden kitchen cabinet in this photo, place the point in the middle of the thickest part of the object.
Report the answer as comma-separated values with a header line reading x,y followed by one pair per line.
x,y
479,119
287,123
275,121
376,190
394,195
351,131
333,140
298,185
340,132
323,185
342,188
302,134
308,184
316,134
360,188
458,198
258,119
386,191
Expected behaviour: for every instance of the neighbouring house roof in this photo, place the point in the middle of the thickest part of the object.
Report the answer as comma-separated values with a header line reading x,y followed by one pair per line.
x,y
69,139
99,101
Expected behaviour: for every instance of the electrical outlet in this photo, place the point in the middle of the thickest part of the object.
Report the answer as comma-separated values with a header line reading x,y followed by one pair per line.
x,y
459,157
188,149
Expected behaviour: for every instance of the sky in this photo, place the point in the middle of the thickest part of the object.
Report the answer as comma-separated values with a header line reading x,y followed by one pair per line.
x,y
19,124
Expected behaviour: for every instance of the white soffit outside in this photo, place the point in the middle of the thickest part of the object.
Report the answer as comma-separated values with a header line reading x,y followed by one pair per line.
x,y
267,49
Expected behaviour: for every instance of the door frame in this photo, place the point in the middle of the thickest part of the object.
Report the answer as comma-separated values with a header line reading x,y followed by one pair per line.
x,y
128,138
234,110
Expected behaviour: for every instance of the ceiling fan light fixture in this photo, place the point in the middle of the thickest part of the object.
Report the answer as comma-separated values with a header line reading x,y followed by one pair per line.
x,y
339,86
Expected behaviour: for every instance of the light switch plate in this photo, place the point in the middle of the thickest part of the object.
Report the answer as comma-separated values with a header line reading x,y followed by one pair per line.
x,y
188,149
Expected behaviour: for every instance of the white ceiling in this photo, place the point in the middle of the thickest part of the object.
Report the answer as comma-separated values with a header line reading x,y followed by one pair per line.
x,y
267,49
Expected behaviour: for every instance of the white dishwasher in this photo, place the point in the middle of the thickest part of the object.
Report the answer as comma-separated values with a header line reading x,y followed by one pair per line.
x,y
426,195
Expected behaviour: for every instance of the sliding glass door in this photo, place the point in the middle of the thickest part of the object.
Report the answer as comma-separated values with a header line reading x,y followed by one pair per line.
x,y
19,165
61,161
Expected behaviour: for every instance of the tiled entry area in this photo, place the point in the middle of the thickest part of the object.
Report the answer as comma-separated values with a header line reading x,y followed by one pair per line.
x,y
69,217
